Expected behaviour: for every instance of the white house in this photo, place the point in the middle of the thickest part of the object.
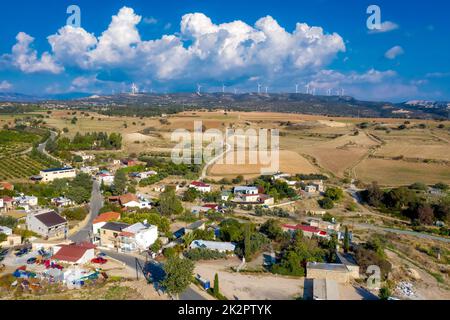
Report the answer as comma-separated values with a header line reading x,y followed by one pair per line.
x,y
49,175
139,236
246,190
145,175
89,169
84,156
311,189
106,178
246,198
133,201
200,186
74,253
62,202
26,201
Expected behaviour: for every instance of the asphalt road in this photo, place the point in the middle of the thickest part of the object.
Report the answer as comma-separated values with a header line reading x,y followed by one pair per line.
x,y
96,203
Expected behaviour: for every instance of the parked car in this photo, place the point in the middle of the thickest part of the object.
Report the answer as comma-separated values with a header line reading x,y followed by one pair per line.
x,y
99,260
57,266
3,252
31,261
22,252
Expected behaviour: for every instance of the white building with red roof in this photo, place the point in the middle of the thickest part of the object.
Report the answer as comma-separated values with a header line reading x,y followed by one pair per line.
x,y
74,253
308,231
200,186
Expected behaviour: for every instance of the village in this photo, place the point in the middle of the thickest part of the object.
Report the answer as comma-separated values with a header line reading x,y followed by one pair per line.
x,y
44,245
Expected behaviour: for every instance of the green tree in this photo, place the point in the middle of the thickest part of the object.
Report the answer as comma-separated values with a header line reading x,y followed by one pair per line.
x,y
120,182
326,203
169,204
334,194
346,240
3,237
247,242
272,229
155,247
179,273
216,285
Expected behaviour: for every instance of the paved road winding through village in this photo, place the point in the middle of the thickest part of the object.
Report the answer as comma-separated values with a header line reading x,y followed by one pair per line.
x,y
96,203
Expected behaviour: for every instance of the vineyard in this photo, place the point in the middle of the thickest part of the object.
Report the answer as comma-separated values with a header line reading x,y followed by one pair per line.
x,y
19,167
24,166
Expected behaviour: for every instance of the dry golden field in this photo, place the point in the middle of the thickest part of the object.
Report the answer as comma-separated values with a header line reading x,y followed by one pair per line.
x,y
312,143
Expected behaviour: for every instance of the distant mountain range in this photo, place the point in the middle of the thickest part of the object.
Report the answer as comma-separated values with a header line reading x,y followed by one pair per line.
x,y
277,102
19,97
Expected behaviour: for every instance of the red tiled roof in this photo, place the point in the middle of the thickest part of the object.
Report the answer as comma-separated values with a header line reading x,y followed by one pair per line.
x,y
107,216
199,184
71,253
7,185
126,198
212,206
302,227
126,234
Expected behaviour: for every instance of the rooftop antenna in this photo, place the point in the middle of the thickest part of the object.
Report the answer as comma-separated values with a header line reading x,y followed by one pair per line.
x,y
259,88
296,88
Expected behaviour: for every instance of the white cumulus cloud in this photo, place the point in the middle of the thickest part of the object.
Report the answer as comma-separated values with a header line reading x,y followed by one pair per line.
x,y
5,85
386,26
26,59
394,52
201,51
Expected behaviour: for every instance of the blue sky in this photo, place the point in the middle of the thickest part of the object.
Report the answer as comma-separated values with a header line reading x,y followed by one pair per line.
x,y
174,45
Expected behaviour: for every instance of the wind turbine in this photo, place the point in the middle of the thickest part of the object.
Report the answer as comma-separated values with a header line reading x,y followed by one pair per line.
x,y
223,88
199,88
329,92
235,91
134,89
267,90
296,88
307,89
259,88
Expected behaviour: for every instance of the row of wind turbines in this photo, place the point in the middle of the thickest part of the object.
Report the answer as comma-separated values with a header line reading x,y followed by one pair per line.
x,y
309,90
